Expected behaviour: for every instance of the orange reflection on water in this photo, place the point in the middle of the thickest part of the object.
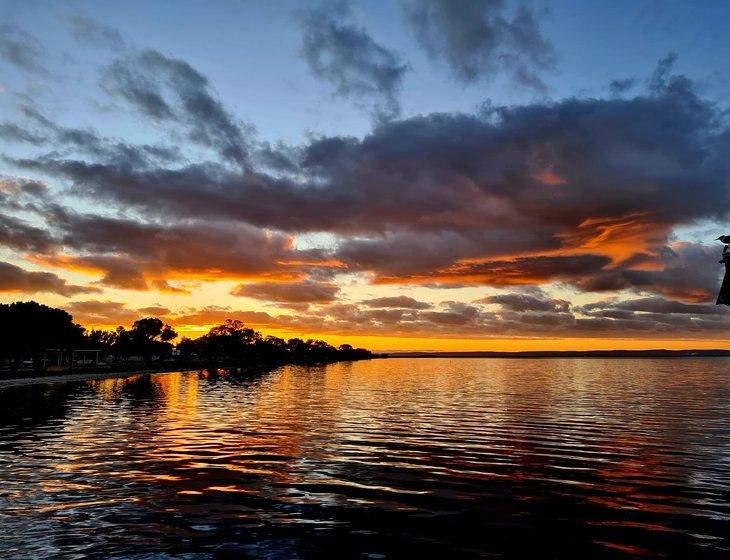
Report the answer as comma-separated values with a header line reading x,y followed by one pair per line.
x,y
627,455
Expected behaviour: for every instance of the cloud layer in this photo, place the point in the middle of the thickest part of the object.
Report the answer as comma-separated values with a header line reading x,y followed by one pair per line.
x,y
480,38
343,54
581,196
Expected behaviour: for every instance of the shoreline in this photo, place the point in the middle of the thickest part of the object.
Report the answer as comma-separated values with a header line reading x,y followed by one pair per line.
x,y
91,375
84,376
35,379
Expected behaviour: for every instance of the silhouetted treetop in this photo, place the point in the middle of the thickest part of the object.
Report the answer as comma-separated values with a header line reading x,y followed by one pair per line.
x,y
29,329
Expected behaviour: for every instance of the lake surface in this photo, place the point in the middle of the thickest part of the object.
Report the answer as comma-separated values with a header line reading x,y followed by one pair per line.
x,y
558,458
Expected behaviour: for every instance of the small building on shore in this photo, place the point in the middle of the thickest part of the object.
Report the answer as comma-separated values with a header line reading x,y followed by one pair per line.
x,y
59,359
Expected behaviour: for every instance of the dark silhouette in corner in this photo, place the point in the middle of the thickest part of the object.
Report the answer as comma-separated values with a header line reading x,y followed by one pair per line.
x,y
723,298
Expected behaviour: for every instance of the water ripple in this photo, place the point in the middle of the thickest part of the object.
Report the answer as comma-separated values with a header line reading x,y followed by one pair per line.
x,y
390,458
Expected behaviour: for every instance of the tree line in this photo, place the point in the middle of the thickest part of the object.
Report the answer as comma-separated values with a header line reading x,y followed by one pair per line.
x,y
29,330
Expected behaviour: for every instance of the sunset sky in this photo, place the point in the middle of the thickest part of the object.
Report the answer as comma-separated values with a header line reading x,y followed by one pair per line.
x,y
401,174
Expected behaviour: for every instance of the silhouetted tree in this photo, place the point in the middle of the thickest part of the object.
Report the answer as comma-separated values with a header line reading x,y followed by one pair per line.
x,y
98,339
187,348
270,348
148,337
231,341
235,344
28,329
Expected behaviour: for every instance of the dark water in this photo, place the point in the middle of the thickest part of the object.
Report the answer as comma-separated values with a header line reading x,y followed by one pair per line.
x,y
391,458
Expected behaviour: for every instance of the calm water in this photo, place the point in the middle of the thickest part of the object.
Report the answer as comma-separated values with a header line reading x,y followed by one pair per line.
x,y
390,458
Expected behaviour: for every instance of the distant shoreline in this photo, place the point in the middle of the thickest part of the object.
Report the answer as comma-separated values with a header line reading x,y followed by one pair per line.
x,y
659,353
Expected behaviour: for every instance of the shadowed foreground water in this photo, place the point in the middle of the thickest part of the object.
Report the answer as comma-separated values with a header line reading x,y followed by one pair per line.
x,y
389,458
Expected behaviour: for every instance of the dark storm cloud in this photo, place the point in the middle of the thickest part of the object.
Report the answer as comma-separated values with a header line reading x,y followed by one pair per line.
x,y
106,312
131,254
458,319
215,314
15,133
621,86
340,52
21,49
169,89
396,302
479,38
662,75
95,33
117,271
407,254
648,317
527,302
154,310
583,192
138,88
88,142
134,255
208,190
653,314
17,234
455,313
517,177
541,164
578,191
19,187
102,312
653,305
684,271
38,130
16,279
289,292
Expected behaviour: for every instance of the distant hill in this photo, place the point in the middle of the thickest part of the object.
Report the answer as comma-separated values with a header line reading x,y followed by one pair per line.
x,y
569,354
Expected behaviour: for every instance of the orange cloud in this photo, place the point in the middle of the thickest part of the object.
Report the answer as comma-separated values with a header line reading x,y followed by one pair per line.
x,y
550,178
619,238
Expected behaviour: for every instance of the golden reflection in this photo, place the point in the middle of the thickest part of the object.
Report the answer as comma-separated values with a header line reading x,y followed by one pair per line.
x,y
77,505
